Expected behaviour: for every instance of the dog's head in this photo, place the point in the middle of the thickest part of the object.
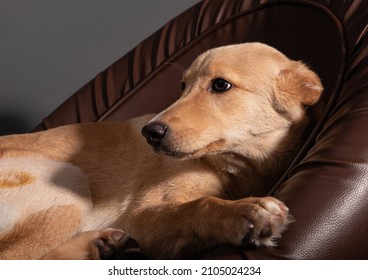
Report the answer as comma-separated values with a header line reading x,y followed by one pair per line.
x,y
239,99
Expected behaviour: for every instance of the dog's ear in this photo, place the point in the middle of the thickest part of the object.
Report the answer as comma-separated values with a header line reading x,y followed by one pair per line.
x,y
299,83
296,86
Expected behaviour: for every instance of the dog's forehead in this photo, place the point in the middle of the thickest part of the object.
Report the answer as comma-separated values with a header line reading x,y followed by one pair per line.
x,y
249,59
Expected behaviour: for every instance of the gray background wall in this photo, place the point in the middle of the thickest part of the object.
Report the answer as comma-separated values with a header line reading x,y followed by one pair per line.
x,y
49,49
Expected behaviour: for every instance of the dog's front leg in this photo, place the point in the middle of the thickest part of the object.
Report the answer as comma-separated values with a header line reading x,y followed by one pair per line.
x,y
189,229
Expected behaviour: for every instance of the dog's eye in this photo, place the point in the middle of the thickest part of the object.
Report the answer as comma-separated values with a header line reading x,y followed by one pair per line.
x,y
182,86
220,85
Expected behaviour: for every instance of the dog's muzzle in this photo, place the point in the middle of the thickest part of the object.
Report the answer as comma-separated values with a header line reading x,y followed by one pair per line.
x,y
155,133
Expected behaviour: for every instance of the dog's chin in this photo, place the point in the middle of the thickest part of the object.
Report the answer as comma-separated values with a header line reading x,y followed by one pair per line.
x,y
172,153
167,152
213,148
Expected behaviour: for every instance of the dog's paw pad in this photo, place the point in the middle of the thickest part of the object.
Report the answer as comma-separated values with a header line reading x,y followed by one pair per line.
x,y
108,242
116,244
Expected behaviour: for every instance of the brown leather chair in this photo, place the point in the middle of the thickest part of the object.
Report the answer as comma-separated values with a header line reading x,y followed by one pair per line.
x,y
326,186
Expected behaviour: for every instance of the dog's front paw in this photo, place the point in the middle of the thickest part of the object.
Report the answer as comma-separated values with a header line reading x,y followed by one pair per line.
x,y
267,218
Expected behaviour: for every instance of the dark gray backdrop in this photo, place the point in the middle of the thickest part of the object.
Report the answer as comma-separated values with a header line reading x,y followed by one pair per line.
x,y
49,49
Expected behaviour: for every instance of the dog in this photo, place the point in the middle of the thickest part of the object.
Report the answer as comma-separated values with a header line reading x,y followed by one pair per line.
x,y
79,191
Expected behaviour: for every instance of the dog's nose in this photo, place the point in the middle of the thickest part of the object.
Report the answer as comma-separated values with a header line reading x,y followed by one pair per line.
x,y
154,133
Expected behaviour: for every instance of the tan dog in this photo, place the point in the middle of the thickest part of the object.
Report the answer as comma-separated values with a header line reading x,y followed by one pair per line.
x,y
228,137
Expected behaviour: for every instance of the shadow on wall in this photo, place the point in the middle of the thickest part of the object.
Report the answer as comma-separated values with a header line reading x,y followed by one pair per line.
x,y
11,124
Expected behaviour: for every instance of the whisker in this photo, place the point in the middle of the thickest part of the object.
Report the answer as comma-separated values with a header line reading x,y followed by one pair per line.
x,y
177,66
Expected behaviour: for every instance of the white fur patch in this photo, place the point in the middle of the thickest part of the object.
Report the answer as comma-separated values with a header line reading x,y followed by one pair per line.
x,y
53,183
9,216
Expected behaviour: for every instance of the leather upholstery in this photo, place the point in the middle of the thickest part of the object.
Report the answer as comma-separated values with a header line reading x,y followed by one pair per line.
x,y
326,187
